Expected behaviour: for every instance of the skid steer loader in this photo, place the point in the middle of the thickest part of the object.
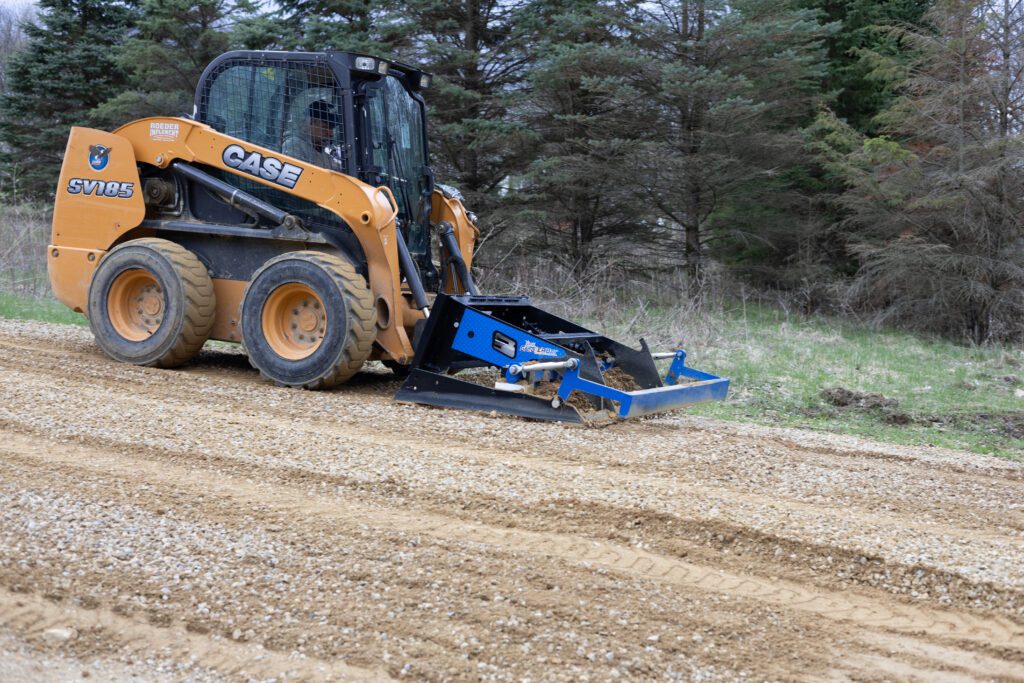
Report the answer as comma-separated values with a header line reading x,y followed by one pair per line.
x,y
295,211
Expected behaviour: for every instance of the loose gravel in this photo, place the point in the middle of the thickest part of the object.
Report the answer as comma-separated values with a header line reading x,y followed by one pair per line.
x,y
347,536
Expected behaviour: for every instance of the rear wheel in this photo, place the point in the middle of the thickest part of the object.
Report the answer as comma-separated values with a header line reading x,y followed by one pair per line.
x,y
308,320
151,302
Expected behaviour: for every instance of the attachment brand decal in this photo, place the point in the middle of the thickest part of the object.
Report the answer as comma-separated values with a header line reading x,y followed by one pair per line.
x,y
529,346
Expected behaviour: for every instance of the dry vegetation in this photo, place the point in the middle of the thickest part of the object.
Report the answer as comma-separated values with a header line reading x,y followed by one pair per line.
x,y
24,232
787,366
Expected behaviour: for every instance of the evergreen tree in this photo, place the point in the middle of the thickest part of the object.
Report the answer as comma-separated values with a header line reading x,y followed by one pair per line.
x,y
68,68
937,206
726,87
12,37
165,57
575,186
480,52
317,25
864,59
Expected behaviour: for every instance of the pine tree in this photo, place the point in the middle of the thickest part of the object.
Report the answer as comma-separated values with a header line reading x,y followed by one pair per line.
x,y
317,25
67,70
577,197
726,87
864,59
937,206
165,57
12,37
480,52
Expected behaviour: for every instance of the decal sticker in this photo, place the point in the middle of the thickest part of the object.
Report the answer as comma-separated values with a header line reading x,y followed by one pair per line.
x,y
255,164
101,188
529,346
164,131
99,157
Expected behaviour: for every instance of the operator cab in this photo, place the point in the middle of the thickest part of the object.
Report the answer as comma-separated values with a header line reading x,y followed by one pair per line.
x,y
352,113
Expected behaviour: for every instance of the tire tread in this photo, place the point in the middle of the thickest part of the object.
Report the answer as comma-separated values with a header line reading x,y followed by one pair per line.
x,y
361,317
200,305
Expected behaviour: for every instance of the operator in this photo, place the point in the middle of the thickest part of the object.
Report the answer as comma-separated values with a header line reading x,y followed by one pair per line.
x,y
317,146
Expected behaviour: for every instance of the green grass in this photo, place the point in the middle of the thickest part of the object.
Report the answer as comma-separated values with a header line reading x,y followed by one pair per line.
x,y
954,396
15,306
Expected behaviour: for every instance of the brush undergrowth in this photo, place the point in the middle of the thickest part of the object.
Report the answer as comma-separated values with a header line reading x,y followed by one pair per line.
x,y
24,234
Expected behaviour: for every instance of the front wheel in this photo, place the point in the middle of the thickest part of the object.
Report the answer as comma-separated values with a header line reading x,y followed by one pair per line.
x,y
308,320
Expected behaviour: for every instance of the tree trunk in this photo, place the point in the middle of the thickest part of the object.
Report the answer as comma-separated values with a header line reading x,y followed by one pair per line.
x,y
694,122
472,177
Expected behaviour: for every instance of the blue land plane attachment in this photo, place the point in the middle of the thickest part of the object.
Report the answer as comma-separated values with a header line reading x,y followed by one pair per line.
x,y
542,366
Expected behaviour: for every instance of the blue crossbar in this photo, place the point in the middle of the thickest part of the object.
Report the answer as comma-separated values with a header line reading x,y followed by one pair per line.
x,y
647,401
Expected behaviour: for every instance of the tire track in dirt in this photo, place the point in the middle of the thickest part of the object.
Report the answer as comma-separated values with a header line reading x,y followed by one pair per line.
x,y
106,631
348,564
220,373
220,386
864,611
894,657
250,418
873,636
356,431
228,374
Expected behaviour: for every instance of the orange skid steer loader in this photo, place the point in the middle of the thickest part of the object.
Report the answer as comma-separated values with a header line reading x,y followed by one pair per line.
x,y
296,212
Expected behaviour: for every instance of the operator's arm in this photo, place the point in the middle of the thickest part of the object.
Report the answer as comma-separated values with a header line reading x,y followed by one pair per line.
x,y
300,148
336,162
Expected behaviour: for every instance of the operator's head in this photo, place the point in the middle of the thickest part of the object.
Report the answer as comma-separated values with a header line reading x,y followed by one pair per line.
x,y
322,120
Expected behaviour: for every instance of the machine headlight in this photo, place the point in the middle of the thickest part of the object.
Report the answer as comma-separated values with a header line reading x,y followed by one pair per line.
x,y
383,67
366,63
424,81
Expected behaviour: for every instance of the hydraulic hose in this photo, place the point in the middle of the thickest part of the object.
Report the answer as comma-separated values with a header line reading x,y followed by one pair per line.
x,y
235,197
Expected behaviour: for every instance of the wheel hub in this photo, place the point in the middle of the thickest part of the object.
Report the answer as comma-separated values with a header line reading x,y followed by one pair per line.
x,y
294,321
152,301
307,320
135,304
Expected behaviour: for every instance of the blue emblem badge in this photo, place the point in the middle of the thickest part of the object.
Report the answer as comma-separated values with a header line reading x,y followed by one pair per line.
x,y
98,157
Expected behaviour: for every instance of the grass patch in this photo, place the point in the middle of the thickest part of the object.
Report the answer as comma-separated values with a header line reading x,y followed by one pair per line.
x,y
46,310
949,395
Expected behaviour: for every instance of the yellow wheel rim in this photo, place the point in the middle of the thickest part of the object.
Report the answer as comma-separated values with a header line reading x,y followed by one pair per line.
x,y
135,305
294,321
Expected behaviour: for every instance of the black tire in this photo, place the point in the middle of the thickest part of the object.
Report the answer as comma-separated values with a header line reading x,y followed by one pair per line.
x,y
176,287
341,332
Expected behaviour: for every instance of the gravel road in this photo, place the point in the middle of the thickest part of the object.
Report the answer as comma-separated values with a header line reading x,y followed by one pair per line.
x,y
201,524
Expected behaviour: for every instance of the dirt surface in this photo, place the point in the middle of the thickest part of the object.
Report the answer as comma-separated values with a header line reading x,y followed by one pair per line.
x,y
201,524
